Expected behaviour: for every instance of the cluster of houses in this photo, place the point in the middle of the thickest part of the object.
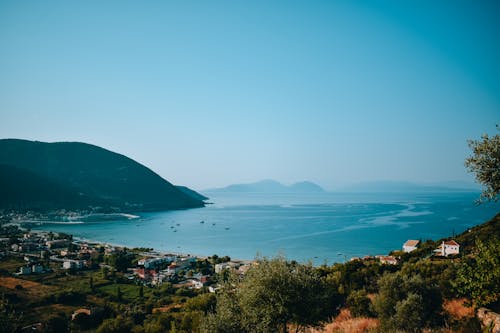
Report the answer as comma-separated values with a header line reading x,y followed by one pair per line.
x,y
447,248
155,269
37,247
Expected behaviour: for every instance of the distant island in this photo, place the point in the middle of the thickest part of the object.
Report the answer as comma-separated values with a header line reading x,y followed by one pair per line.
x,y
73,175
269,186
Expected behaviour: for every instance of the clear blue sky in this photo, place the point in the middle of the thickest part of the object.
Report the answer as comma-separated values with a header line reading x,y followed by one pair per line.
x,y
209,93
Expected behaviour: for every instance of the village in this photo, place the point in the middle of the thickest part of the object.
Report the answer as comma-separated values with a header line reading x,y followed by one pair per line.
x,y
45,251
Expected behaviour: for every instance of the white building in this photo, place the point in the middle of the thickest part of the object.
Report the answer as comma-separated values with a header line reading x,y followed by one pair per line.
x,y
447,248
153,262
24,270
37,268
70,263
410,245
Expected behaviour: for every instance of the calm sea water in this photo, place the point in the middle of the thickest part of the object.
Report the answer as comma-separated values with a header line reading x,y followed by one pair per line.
x,y
324,228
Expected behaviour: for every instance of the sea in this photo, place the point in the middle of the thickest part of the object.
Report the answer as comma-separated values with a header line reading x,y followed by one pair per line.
x,y
320,228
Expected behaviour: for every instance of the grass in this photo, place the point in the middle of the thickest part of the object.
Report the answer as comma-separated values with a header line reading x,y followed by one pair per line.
x,y
30,289
344,322
11,264
130,292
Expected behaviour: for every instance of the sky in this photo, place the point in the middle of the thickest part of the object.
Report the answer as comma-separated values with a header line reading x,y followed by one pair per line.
x,y
211,93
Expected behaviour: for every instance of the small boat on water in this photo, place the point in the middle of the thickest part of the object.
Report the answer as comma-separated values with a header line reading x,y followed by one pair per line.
x,y
227,228
202,222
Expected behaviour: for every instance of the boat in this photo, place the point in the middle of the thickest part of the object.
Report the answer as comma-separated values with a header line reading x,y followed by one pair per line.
x,y
202,222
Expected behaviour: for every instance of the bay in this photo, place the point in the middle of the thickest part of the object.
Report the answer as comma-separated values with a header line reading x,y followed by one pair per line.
x,y
322,228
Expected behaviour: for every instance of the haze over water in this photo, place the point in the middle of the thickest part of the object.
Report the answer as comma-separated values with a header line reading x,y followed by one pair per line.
x,y
324,228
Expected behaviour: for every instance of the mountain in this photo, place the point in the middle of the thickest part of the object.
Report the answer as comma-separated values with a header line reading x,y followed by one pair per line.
x,y
269,186
408,187
192,193
75,175
20,188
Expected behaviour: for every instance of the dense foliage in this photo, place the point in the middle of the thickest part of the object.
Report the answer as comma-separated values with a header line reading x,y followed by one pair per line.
x,y
485,164
407,303
478,277
273,295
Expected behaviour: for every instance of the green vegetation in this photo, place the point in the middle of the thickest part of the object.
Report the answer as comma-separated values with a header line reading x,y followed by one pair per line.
x,y
407,303
478,277
272,296
485,164
71,175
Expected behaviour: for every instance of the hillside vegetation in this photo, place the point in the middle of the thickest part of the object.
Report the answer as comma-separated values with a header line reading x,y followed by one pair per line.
x,y
73,175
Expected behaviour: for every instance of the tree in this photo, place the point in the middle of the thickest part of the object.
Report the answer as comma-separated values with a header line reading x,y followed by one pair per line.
x,y
359,304
485,164
477,277
273,295
119,294
116,325
407,303
56,324
10,320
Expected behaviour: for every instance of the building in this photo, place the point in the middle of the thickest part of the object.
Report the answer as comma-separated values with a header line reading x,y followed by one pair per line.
x,y
57,243
447,248
154,262
75,264
37,268
24,270
388,260
410,245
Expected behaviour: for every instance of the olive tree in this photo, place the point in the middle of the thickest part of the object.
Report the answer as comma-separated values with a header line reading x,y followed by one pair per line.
x,y
478,276
273,296
407,303
485,164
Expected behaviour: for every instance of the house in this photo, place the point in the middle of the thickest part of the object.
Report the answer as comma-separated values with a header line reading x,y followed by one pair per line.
x,y
447,248
154,262
71,263
37,268
24,270
213,289
388,260
57,243
410,245
243,269
145,274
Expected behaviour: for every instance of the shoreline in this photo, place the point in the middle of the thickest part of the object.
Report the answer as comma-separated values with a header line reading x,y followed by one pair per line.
x,y
153,251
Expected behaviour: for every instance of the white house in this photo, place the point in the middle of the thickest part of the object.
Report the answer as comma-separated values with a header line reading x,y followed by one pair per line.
x,y
37,268
24,270
447,248
71,263
410,245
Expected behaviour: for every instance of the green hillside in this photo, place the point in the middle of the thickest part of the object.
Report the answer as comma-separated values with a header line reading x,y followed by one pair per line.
x,y
86,174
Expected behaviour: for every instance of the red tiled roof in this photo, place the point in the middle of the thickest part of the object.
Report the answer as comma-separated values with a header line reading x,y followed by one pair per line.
x,y
452,243
411,242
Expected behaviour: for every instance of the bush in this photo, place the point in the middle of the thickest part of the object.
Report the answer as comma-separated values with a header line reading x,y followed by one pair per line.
x,y
359,304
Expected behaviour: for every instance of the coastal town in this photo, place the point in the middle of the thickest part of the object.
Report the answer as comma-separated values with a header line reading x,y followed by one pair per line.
x,y
66,284
44,252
